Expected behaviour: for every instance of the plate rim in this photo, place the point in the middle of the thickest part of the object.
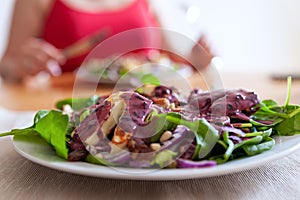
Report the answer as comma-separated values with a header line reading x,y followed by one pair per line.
x,y
157,175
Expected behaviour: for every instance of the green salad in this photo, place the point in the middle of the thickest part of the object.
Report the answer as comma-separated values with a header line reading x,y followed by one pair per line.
x,y
153,126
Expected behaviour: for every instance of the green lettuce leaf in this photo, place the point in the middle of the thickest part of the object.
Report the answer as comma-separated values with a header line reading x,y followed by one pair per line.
x,y
77,103
52,126
205,134
163,158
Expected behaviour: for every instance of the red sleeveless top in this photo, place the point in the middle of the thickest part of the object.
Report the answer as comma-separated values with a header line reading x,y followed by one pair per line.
x,y
66,25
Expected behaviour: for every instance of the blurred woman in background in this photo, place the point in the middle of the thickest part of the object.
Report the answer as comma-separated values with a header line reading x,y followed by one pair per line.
x,y
42,29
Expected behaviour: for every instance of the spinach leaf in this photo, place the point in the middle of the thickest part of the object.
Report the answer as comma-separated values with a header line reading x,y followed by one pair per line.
x,y
289,126
77,103
96,160
269,103
52,126
285,119
229,146
150,79
163,158
286,124
206,135
158,125
39,115
30,130
255,149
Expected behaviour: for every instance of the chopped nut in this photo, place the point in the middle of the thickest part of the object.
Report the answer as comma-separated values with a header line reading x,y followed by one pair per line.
x,y
166,136
99,155
161,101
174,108
148,89
67,109
155,146
73,133
182,149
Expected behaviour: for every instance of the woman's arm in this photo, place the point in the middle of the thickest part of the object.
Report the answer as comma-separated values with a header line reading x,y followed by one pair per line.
x,y
26,54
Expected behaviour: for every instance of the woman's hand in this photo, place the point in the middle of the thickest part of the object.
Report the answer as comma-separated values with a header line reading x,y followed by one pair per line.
x,y
33,56
200,56
38,55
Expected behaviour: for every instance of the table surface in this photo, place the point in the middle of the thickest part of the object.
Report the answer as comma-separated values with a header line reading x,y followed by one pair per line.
x,y
23,179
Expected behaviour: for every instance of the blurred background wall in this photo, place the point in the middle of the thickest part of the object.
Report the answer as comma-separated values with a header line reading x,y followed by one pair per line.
x,y
262,35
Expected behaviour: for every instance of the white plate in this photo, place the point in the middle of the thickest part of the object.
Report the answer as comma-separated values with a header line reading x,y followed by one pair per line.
x,y
36,150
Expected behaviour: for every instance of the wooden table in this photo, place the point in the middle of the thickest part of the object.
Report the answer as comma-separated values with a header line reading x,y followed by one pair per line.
x,y
44,95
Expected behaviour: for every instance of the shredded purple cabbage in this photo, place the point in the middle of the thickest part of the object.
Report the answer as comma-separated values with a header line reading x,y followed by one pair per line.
x,y
183,163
